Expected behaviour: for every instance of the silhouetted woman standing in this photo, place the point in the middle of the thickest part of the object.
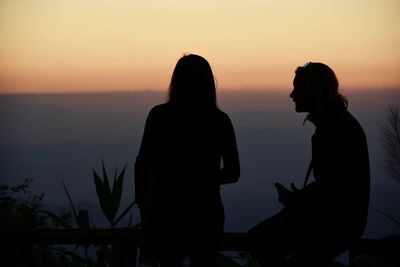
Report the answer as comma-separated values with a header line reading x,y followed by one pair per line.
x,y
178,170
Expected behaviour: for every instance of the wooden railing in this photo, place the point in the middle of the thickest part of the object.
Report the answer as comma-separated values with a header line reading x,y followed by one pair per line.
x,y
125,241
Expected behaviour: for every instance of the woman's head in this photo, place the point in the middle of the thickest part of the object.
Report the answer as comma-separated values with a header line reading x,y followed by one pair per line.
x,y
193,81
315,85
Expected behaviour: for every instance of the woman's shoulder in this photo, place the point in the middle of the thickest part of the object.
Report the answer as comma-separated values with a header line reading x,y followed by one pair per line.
x,y
158,109
157,113
223,119
222,115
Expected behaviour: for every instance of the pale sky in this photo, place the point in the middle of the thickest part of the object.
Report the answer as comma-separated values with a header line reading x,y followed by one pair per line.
x,y
106,45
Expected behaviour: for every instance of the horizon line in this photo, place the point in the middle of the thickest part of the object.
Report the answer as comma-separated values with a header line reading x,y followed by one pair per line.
x,y
224,90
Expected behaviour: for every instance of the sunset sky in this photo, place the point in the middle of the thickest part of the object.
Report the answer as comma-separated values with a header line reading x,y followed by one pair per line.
x,y
119,45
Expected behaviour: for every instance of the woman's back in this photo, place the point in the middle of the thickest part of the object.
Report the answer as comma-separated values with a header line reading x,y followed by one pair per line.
x,y
178,170
183,153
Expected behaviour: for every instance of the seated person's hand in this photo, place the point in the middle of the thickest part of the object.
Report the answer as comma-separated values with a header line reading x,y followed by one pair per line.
x,y
286,196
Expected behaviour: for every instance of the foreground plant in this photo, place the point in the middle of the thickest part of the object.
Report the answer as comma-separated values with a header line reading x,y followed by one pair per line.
x,y
21,208
391,143
110,196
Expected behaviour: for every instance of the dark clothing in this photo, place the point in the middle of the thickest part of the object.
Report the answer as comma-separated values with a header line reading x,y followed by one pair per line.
x,y
178,176
341,171
330,213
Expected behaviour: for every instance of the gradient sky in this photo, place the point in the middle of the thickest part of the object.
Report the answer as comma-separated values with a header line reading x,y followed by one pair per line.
x,y
105,45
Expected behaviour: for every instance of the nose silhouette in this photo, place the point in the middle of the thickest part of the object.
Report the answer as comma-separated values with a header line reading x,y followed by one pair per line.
x,y
292,94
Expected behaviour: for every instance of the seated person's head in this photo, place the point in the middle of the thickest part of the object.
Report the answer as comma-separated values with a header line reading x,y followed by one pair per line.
x,y
315,86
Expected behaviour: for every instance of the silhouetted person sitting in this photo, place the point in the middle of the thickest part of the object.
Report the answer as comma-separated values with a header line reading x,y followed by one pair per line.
x,y
328,215
178,170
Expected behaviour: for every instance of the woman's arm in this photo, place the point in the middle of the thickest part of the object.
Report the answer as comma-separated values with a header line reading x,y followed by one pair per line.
x,y
142,161
230,157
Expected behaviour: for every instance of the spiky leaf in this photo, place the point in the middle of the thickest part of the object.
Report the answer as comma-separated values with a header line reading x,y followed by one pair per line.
x,y
70,201
103,195
123,214
117,193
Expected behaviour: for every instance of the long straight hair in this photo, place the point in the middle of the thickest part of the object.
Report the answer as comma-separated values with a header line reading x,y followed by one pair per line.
x,y
193,82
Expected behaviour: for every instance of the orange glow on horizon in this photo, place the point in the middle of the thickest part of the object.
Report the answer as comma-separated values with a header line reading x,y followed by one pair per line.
x,y
108,45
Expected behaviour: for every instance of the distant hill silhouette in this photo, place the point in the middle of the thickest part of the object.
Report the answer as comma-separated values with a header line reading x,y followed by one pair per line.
x,y
62,136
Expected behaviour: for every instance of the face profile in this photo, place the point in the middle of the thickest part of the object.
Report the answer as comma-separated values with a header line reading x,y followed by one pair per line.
x,y
301,94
